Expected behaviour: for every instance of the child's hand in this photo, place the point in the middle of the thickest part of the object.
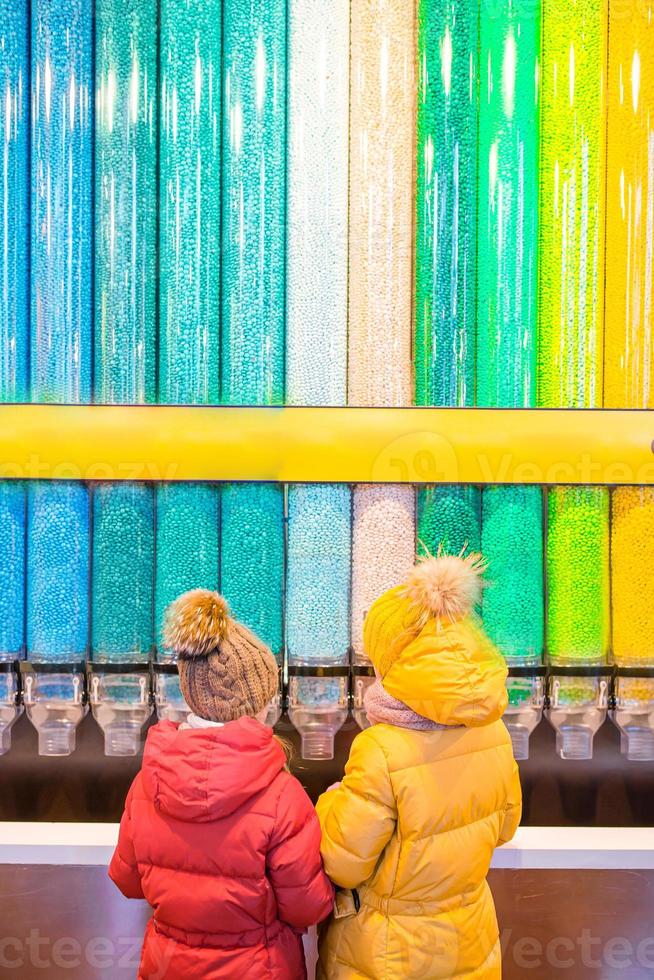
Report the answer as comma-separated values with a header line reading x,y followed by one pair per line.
x,y
333,786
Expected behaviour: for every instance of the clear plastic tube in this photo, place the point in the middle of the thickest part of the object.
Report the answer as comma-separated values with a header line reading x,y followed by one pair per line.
x,y
252,557
512,543
572,207
629,364
14,200
14,304
449,517
253,202
508,204
12,569
189,318
578,575
632,586
61,200
382,549
629,367
316,338
123,563
187,545
446,199
318,582
57,571
381,179
125,200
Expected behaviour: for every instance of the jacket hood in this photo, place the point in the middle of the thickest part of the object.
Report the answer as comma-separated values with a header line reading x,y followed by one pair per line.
x,y
452,674
428,648
203,774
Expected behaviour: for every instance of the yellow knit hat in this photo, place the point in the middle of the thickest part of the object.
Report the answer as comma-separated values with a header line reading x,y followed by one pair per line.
x,y
444,588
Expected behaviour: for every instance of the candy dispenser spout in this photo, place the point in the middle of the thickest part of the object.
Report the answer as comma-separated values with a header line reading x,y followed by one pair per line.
x,y
633,715
55,704
10,709
168,698
361,683
524,712
577,709
317,709
121,707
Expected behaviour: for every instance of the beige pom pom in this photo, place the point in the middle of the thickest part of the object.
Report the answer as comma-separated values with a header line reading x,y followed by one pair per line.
x,y
195,623
447,587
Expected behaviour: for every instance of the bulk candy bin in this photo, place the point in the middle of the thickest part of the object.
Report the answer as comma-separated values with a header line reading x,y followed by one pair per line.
x,y
628,365
14,335
253,295
319,517
60,360
187,551
570,356
382,114
125,317
507,305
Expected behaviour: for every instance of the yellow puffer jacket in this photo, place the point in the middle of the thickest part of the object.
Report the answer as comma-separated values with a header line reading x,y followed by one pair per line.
x,y
418,814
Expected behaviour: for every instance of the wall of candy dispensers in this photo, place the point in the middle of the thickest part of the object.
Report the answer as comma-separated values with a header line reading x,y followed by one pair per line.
x,y
310,204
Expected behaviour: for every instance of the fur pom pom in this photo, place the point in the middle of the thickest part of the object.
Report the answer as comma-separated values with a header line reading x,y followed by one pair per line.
x,y
195,623
447,586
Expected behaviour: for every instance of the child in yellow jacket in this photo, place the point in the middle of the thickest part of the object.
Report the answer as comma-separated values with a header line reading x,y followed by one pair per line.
x,y
429,791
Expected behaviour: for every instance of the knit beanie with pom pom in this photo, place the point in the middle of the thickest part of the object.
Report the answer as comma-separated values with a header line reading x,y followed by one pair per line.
x,y
445,588
225,671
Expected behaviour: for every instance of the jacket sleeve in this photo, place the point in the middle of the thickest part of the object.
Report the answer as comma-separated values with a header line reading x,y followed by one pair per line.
x,y
303,891
123,869
358,818
513,810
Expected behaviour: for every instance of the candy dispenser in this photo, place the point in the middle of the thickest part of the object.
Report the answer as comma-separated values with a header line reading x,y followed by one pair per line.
x,y
319,521
125,318
578,614
253,295
632,599
382,114
445,246
60,362
189,299
10,706
570,353
628,366
58,611
122,612
317,613
512,532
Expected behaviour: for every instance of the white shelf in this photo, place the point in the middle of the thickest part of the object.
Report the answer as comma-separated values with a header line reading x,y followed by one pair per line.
x,y
619,848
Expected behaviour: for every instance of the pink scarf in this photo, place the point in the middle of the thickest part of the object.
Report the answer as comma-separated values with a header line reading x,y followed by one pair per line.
x,y
382,708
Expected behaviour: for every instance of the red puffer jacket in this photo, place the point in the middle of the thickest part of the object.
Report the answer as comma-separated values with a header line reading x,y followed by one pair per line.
x,y
224,845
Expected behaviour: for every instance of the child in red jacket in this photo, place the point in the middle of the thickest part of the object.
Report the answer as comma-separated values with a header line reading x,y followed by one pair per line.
x,y
217,835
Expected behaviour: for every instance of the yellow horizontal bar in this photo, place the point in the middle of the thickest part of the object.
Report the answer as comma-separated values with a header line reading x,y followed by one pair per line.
x,y
333,445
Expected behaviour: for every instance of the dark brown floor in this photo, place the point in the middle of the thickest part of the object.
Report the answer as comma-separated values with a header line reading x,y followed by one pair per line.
x,y
70,923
